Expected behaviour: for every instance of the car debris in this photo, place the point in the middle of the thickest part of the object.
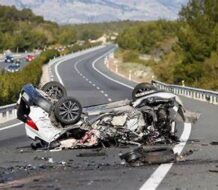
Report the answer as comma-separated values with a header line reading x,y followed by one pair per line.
x,y
214,143
50,160
183,157
154,155
213,171
59,122
41,158
192,117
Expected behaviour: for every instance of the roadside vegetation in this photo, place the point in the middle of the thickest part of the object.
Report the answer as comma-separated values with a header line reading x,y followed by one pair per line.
x,y
11,83
21,30
183,50
186,49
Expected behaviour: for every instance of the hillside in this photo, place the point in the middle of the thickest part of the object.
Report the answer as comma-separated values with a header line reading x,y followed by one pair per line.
x,y
84,11
22,30
186,49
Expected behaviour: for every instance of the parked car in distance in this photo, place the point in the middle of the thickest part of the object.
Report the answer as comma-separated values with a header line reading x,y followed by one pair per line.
x,y
17,62
29,58
13,68
9,59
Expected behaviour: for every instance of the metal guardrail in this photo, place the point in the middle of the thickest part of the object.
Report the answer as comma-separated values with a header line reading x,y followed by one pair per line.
x,y
8,113
194,93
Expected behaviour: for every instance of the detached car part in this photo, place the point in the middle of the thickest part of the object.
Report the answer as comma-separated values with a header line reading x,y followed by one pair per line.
x,y
153,155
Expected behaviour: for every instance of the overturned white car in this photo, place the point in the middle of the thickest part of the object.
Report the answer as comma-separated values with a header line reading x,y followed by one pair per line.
x,y
52,117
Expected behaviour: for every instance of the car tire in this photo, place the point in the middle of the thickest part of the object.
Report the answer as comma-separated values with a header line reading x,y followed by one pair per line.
x,y
54,90
68,111
140,88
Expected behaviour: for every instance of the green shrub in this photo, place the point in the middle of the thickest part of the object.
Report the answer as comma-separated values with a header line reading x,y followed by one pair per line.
x,y
130,56
11,83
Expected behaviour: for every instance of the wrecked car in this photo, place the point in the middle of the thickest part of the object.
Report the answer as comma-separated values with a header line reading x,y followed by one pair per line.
x,y
51,117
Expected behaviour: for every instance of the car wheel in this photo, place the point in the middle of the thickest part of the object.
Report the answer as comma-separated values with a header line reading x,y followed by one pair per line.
x,y
68,111
54,90
141,89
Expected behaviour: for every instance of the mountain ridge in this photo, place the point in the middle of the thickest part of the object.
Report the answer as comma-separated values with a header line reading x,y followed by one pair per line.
x,y
85,11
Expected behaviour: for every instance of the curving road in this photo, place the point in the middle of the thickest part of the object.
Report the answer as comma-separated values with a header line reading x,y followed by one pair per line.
x,y
87,79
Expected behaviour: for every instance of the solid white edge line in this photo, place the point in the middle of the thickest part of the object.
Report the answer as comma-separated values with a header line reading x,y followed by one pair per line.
x,y
58,76
106,76
157,177
11,126
77,54
57,73
159,174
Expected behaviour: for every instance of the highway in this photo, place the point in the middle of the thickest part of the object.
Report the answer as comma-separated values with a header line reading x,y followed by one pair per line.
x,y
21,57
86,78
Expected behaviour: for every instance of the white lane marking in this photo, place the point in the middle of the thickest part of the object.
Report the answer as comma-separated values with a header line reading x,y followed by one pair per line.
x,y
154,181
159,174
57,74
71,56
98,88
89,81
106,76
77,70
11,126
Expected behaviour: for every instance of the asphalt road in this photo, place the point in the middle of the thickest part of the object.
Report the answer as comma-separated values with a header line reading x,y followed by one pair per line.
x,y
87,79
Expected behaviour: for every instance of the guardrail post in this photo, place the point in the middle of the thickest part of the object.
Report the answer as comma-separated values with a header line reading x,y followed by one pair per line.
x,y
130,74
195,93
212,99
116,68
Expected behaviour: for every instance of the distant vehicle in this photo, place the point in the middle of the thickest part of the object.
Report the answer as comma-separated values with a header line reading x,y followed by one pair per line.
x,y
17,62
9,59
13,68
29,58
